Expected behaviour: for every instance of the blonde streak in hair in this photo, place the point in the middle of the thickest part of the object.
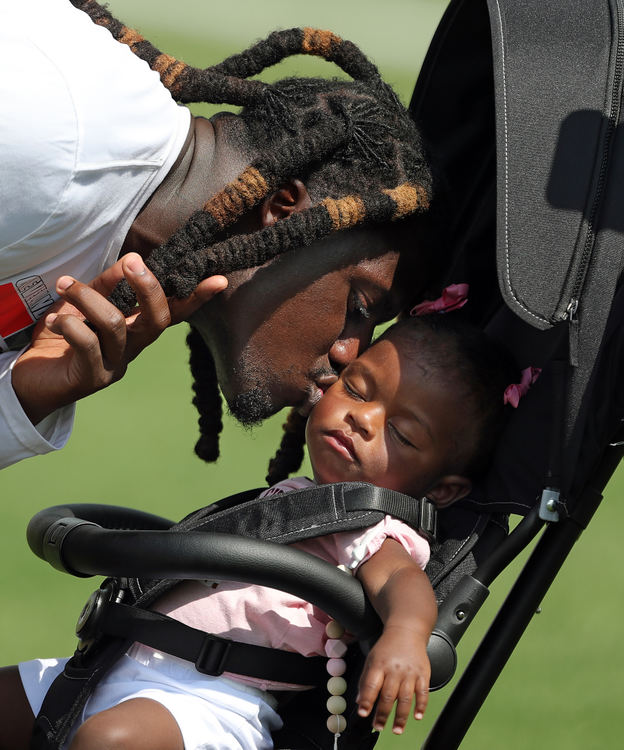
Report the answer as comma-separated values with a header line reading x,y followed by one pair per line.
x,y
408,198
345,212
169,69
130,37
235,198
318,42
253,184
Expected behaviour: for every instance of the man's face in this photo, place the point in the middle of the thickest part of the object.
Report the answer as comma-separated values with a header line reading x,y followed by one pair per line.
x,y
280,333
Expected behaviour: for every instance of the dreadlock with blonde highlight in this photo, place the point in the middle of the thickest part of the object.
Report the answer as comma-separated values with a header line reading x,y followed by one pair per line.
x,y
351,142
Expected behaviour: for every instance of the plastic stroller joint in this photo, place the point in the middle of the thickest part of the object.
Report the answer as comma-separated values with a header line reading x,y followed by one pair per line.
x,y
87,627
454,616
443,659
459,608
53,543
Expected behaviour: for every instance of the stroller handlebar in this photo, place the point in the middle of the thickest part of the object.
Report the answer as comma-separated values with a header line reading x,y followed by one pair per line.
x,y
78,539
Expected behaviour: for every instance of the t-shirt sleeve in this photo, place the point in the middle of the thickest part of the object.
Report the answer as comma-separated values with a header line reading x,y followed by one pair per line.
x,y
19,438
349,549
352,548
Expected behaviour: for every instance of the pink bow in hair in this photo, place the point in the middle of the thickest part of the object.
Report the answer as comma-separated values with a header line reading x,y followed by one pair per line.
x,y
515,391
453,297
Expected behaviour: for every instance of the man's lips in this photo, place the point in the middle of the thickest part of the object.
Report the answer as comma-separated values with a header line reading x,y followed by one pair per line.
x,y
322,380
313,395
341,443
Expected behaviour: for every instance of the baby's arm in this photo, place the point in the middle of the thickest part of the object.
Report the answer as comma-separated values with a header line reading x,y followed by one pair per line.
x,y
397,667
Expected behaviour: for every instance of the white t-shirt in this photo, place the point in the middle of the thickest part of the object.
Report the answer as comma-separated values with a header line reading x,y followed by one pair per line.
x,y
87,133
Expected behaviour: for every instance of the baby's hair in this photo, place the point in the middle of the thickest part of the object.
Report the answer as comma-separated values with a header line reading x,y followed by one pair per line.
x,y
463,357
479,369
352,142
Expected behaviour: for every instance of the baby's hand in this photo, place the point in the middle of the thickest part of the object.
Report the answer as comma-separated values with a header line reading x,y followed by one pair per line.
x,y
396,669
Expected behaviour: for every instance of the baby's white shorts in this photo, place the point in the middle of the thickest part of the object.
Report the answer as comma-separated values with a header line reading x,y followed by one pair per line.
x,y
213,713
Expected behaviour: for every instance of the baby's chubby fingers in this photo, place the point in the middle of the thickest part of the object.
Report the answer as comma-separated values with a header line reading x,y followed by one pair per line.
x,y
422,697
368,690
404,699
385,703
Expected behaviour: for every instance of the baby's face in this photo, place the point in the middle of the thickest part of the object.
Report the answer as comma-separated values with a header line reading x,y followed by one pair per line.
x,y
387,421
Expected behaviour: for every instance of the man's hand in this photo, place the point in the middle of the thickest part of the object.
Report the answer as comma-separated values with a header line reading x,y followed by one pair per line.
x,y
396,670
68,359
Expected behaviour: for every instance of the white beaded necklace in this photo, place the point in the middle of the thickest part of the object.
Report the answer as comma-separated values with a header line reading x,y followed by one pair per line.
x,y
336,685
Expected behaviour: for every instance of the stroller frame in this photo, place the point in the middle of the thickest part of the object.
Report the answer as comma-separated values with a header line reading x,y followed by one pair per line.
x,y
523,600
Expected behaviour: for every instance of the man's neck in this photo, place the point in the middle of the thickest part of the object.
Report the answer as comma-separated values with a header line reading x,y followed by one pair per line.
x,y
185,189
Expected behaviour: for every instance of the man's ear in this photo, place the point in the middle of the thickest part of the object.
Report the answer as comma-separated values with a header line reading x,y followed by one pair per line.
x,y
449,489
291,197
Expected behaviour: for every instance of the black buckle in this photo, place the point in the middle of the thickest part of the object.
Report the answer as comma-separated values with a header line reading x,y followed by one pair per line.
x,y
428,519
213,656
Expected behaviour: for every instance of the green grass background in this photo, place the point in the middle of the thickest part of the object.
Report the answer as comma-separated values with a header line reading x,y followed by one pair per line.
x,y
132,445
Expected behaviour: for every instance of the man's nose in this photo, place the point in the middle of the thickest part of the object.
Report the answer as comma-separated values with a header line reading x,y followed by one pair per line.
x,y
325,380
343,351
351,342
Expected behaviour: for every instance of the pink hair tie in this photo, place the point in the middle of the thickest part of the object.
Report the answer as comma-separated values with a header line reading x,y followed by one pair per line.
x,y
453,297
515,391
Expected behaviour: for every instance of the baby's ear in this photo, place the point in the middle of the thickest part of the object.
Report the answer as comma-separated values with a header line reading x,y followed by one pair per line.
x,y
449,489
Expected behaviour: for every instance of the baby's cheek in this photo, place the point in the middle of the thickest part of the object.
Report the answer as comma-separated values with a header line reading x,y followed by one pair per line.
x,y
379,467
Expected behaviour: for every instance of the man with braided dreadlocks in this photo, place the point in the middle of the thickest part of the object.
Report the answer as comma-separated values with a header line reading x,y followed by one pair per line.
x,y
302,201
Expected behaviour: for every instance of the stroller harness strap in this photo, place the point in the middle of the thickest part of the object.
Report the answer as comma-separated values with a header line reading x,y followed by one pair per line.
x,y
211,654
301,514
312,511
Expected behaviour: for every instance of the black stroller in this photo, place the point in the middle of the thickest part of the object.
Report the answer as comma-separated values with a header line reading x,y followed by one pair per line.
x,y
521,102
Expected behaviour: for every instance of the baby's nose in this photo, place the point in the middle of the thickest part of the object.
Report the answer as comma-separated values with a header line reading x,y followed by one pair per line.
x,y
368,418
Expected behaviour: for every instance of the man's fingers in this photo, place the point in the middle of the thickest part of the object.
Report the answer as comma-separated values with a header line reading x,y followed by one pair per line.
x,y
86,351
182,309
122,339
150,296
107,320
108,279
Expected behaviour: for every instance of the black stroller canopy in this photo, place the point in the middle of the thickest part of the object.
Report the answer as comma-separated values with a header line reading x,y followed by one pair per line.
x,y
521,102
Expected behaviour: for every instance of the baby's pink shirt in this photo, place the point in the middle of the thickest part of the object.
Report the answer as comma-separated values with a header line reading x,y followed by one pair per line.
x,y
267,617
